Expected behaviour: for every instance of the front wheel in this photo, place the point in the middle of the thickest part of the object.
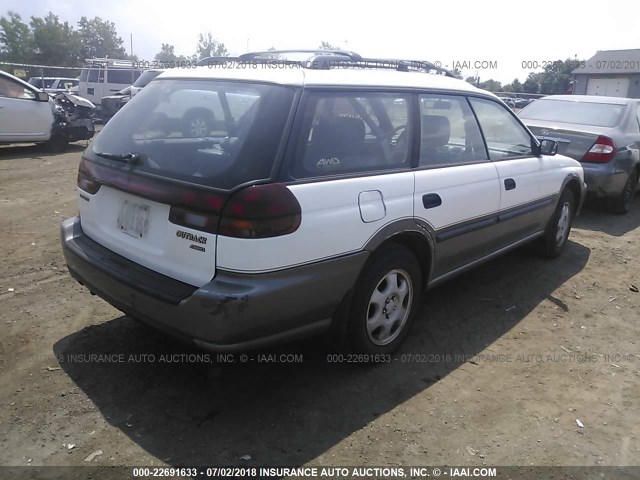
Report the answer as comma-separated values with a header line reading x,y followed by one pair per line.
x,y
557,232
385,301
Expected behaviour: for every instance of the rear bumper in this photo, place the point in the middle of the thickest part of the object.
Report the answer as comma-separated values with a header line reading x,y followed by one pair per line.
x,y
604,179
233,312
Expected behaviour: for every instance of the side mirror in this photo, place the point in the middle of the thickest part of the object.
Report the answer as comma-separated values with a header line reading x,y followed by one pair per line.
x,y
42,96
548,147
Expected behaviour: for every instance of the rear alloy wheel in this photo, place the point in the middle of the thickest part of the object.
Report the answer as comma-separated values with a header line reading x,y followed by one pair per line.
x,y
558,228
384,302
622,203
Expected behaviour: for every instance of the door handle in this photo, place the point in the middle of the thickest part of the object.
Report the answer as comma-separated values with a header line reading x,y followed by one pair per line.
x,y
509,184
431,200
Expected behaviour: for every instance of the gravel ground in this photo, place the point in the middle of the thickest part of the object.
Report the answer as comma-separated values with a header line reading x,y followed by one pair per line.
x,y
501,364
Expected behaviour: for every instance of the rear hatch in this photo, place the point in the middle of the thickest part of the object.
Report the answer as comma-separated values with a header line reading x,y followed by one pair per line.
x,y
574,124
153,184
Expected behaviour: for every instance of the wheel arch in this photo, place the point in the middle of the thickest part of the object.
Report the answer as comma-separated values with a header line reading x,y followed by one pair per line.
x,y
411,235
575,185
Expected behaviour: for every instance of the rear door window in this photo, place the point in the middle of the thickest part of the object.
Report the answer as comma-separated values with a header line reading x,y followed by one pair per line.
x,y
212,133
353,132
449,132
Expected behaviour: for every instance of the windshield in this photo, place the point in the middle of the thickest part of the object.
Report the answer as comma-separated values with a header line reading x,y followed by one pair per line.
x,y
146,77
212,133
579,112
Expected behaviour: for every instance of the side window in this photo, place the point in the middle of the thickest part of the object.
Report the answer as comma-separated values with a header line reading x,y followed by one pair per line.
x,y
93,76
12,89
638,118
353,132
449,131
505,137
121,76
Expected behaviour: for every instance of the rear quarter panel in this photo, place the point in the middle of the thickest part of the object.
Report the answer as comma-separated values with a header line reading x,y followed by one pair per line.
x,y
332,224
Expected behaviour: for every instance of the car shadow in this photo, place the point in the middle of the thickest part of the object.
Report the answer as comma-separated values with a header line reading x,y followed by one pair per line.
x,y
595,216
13,152
192,409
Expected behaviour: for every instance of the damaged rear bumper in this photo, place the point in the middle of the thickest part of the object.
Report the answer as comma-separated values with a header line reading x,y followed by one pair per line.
x,y
233,312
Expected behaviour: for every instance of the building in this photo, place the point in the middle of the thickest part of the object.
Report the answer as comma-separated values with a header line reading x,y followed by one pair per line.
x,y
612,73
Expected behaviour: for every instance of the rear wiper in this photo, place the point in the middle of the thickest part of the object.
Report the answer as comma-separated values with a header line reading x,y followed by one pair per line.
x,y
121,157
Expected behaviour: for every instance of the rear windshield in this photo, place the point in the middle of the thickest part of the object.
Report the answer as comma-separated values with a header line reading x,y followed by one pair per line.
x,y
579,112
146,77
207,132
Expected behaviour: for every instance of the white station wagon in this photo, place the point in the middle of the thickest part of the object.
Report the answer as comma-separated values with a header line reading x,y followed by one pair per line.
x,y
322,195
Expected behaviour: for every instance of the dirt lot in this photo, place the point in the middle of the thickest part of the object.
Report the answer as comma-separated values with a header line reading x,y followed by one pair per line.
x,y
500,364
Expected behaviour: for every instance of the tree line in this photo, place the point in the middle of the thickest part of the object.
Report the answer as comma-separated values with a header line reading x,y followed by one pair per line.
x,y
555,79
49,41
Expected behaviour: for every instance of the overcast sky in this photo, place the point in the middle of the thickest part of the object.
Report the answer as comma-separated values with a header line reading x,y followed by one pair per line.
x,y
448,32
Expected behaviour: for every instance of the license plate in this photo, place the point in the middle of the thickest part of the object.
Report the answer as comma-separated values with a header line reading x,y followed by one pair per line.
x,y
134,219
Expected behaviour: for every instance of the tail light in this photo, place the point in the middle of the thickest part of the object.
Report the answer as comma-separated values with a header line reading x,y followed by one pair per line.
x,y
602,151
86,181
261,211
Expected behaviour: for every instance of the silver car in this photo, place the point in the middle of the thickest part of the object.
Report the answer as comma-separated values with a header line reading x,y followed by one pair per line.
x,y
603,133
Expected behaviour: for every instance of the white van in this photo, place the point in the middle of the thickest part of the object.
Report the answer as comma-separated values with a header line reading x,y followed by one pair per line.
x,y
101,77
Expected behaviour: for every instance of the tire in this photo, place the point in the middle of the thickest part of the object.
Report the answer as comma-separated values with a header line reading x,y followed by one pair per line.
x,y
622,203
197,123
384,302
57,143
558,228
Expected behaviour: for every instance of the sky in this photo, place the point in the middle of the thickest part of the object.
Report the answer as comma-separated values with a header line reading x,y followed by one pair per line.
x,y
493,38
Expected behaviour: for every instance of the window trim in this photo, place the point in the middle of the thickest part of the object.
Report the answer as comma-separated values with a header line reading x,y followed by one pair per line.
x,y
283,165
532,138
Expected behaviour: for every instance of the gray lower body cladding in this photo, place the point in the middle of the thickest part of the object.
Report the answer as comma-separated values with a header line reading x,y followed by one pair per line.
x,y
232,312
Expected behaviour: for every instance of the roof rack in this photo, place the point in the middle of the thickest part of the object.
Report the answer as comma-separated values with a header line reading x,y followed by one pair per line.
x,y
327,59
